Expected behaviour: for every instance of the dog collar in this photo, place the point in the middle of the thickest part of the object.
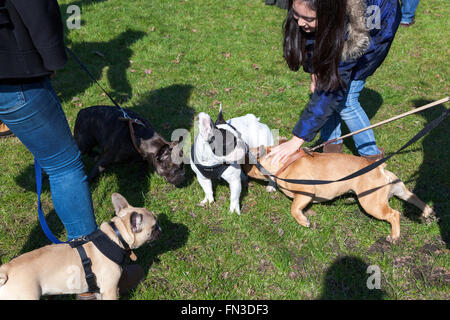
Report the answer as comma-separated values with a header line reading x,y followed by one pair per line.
x,y
125,245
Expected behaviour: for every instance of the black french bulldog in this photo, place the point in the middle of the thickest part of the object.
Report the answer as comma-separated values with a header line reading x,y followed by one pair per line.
x,y
104,126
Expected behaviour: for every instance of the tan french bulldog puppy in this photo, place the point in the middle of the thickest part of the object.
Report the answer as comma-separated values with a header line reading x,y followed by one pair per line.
x,y
57,268
373,189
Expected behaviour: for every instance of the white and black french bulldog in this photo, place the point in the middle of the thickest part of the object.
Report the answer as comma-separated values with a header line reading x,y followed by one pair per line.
x,y
220,148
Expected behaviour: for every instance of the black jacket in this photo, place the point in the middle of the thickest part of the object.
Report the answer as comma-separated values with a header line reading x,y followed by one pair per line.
x,y
31,39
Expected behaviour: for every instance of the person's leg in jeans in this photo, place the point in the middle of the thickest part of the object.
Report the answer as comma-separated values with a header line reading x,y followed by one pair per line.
x,y
355,118
35,116
332,130
408,10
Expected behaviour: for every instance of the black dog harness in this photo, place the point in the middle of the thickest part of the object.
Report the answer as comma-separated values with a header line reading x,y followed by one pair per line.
x,y
106,246
211,172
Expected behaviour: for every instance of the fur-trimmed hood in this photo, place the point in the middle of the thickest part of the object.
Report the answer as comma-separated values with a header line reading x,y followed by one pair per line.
x,y
358,40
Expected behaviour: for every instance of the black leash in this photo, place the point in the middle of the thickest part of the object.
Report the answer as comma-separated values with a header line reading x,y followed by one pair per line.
x,y
125,115
362,171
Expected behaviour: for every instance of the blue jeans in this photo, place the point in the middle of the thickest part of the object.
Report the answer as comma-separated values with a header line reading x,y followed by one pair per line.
x,y
408,10
33,113
355,118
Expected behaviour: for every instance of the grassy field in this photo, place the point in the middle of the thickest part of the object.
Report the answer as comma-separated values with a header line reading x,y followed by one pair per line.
x,y
170,60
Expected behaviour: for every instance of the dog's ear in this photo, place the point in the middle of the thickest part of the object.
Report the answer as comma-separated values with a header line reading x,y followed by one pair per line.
x,y
220,119
176,142
205,125
119,202
136,222
259,152
152,146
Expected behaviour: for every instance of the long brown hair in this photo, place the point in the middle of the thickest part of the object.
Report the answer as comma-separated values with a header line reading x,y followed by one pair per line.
x,y
329,41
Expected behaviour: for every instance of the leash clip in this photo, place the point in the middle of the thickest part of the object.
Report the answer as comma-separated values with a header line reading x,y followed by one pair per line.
x,y
308,151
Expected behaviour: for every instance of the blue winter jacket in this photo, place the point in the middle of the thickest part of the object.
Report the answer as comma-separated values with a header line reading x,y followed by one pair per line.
x,y
322,104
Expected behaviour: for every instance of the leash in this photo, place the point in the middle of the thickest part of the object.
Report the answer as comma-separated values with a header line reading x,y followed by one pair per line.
x,y
44,225
427,106
125,115
362,171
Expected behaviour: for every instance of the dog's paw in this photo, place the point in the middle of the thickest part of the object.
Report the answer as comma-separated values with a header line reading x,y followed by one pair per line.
x,y
271,189
235,209
206,202
429,216
303,221
392,240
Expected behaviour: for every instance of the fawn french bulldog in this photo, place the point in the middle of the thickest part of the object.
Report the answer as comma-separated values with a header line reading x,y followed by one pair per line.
x,y
373,189
57,268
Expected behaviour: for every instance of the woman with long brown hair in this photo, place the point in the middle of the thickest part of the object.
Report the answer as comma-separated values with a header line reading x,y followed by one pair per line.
x,y
341,43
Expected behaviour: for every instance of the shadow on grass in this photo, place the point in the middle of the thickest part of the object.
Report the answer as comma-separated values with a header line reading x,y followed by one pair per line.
x,y
173,236
346,279
114,54
433,175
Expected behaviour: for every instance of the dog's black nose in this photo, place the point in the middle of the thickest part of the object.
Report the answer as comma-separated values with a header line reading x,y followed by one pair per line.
x,y
156,232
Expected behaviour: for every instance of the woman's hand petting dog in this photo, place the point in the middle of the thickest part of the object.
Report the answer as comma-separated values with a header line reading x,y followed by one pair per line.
x,y
283,151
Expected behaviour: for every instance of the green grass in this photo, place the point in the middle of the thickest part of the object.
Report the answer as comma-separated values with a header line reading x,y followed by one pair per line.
x,y
201,52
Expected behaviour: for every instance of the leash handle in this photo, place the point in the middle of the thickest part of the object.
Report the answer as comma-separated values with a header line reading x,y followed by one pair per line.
x,y
44,225
432,104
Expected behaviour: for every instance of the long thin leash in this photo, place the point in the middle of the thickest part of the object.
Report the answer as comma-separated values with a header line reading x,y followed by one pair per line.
x,y
125,115
37,167
427,106
362,171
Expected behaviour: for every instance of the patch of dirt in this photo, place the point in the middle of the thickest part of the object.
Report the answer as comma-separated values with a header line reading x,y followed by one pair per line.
x,y
432,248
403,261
381,245
437,276
216,229
265,266
275,217
351,244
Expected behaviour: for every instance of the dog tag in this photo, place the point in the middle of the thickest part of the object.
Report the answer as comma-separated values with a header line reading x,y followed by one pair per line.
x,y
133,256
